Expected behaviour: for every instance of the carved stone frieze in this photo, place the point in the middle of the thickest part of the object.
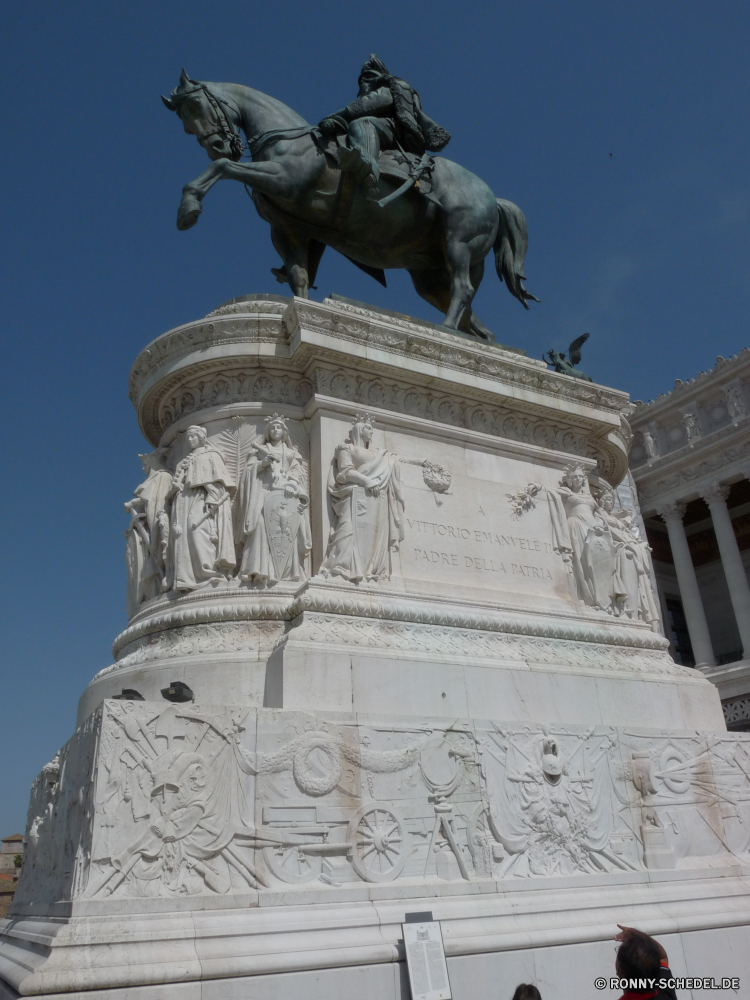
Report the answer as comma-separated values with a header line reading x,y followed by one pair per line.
x,y
268,386
260,321
178,801
408,338
390,607
689,474
737,710
214,637
420,638
226,386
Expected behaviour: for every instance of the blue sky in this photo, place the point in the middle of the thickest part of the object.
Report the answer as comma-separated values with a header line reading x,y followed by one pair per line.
x,y
647,248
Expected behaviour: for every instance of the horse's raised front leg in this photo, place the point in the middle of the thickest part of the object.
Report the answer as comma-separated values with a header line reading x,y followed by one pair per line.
x,y
268,177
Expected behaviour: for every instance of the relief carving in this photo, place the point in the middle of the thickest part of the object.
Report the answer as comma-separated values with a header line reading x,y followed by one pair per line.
x,y
609,564
202,544
147,537
272,520
735,402
155,800
551,810
364,486
171,804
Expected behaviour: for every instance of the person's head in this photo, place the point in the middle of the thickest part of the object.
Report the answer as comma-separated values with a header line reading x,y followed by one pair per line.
x,y
527,991
276,429
196,436
607,499
153,461
361,432
575,477
638,958
373,73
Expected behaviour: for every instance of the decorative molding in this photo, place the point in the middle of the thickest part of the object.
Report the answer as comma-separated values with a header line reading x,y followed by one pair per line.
x,y
219,637
725,367
689,473
409,339
331,599
334,630
260,321
736,710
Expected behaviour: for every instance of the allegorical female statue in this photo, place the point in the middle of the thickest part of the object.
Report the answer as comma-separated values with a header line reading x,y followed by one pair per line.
x,y
632,593
201,542
583,535
272,520
147,537
364,485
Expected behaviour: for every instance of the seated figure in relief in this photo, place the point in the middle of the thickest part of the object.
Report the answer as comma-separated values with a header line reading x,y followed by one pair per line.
x,y
272,520
201,542
584,537
147,536
633,595
364,485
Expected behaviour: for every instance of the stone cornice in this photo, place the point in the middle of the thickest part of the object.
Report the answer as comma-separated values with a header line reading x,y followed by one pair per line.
x,y
262,324
410,340
283,354
231,605
687,471
724,370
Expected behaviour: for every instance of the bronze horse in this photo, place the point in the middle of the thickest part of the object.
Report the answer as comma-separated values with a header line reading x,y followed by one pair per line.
x,y
441,237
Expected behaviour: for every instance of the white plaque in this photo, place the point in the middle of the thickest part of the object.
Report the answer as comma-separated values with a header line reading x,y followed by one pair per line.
x,y
425,959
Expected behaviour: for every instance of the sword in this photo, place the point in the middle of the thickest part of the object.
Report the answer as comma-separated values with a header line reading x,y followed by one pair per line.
x,y
412,179
209,513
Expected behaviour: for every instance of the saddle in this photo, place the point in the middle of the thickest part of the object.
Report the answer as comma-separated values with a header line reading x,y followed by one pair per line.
x,y
413,170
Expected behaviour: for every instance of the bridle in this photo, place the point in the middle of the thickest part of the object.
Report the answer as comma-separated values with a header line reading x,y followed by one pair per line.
x,y
224,126
231,134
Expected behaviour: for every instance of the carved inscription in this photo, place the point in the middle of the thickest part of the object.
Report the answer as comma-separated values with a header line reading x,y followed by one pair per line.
x,y
477,543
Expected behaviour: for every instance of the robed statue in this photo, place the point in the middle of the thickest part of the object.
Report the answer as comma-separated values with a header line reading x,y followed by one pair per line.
x,y
363,182
201,536
147,536
367,504
272,517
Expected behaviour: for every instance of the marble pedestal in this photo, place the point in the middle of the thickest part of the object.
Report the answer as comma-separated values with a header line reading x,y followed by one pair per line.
x,y
437,686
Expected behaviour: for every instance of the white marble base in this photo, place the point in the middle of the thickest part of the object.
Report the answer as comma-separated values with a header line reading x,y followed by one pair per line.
x,y
549,936
454,698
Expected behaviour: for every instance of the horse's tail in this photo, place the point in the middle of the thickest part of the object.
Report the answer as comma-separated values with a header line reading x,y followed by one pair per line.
x,y
510,249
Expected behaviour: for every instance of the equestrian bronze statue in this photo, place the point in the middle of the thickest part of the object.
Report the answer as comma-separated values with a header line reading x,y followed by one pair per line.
x,y
363,182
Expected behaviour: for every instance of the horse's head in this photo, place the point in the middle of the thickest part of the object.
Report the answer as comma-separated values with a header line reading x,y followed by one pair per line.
x,y
207,115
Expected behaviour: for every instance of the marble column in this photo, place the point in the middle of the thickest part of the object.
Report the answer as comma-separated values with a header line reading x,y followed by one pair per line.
x,y
734,569
691,597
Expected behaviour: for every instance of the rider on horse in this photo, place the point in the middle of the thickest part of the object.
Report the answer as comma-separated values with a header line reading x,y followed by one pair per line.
x,y
386,115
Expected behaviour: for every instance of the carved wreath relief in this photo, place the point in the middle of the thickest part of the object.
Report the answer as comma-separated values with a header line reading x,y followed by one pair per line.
x,y
235,509
148,800
609,564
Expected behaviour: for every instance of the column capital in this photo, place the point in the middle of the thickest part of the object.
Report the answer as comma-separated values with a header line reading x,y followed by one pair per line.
x,y
668,511
714,493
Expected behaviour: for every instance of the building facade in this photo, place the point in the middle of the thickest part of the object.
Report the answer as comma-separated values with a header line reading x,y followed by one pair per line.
x,y
691,463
